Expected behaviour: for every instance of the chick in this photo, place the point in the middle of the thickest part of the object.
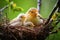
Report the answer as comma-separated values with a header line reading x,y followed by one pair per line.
x,y
18,21
29,24
32,16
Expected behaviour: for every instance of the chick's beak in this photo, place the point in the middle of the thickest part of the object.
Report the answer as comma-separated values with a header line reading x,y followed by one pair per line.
x,y
34,14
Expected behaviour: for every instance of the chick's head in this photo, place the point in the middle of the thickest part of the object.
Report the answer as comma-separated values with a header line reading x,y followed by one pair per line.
x,y
22,17
33,12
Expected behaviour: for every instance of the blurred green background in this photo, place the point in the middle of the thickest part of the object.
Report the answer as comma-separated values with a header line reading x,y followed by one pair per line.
x,y
46,8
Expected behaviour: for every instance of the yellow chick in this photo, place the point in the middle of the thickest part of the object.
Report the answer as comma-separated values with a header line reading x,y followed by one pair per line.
x,y
32,16
18,21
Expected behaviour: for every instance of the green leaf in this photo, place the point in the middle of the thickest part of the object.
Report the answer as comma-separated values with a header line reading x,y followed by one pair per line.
x,y
46,7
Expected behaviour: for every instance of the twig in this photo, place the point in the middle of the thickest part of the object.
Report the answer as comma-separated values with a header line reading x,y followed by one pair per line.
x,y
4,8
38,5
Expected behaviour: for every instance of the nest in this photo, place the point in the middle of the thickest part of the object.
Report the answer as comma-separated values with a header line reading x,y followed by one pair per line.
x,y
25,33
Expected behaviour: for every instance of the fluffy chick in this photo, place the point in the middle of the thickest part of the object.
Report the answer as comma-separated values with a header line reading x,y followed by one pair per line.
x,y
29,24
18,21
32,16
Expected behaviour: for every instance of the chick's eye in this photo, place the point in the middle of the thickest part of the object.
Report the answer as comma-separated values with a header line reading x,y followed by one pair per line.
x,y
21,17
32,12
28,25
